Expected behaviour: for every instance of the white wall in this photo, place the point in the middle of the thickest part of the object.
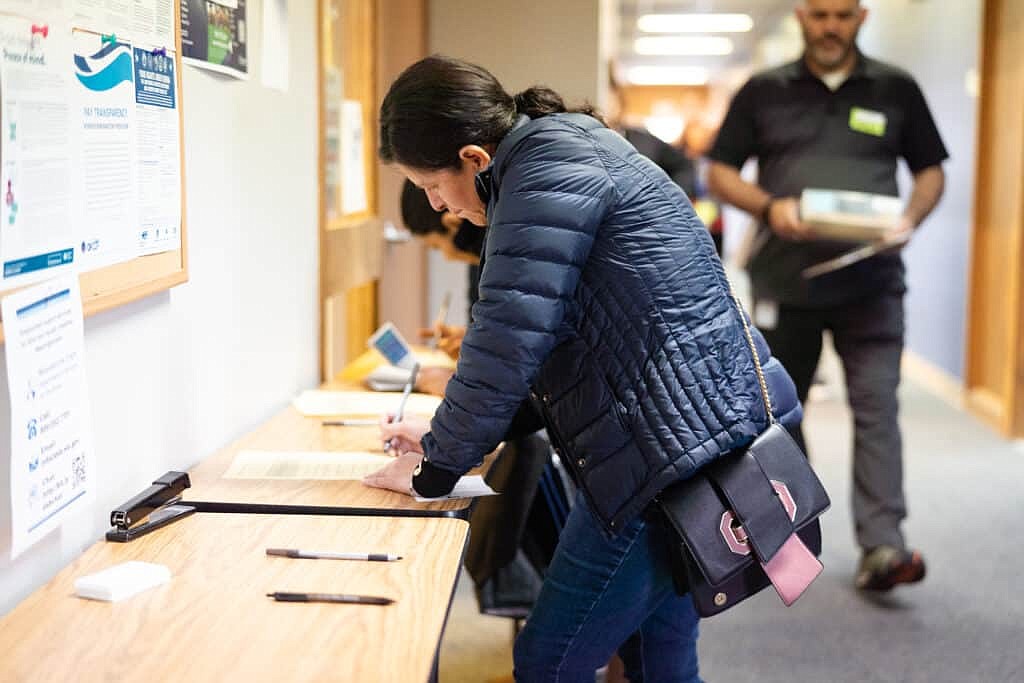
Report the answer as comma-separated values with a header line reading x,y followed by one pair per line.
x,y
937,41
560,44
181,373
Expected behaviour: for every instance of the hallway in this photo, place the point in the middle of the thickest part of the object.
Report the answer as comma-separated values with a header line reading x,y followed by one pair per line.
x,y
964,623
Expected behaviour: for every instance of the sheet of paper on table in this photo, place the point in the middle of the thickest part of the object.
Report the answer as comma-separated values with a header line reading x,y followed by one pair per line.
x,y
318,403
351,466
469,486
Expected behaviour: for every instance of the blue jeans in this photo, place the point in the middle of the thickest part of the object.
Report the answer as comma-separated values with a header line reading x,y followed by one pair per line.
x,y
605,594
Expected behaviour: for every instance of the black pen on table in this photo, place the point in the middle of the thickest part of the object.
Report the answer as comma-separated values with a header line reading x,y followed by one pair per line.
x,y
329,597
405,397
312,555
442,317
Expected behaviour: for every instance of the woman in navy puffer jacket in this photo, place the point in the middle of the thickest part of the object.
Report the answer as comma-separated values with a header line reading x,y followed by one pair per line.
x,y
603,310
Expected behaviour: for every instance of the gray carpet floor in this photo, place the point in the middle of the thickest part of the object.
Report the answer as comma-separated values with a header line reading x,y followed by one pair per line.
x,y
964,623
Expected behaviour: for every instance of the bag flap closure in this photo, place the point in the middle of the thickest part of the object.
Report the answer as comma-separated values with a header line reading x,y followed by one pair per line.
x,y
755,503
697,507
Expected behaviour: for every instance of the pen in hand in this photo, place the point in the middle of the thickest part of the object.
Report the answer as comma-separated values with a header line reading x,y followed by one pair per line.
x,y
442,317
405,396
330,597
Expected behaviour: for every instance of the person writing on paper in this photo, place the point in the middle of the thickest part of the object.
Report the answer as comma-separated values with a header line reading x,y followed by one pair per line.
x,y
604,307
837,119
457,240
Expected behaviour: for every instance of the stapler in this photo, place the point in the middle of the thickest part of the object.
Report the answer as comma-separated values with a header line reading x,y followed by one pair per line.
x,y
157,506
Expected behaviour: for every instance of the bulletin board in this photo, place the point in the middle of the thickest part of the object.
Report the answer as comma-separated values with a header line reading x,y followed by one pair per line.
x,y
350,228
134,190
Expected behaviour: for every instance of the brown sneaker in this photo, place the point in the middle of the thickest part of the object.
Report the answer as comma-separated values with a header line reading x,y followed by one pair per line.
x,y
883,567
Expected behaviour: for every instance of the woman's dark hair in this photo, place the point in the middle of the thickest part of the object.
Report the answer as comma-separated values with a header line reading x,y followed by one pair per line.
x,y
417,213
440,104
421,219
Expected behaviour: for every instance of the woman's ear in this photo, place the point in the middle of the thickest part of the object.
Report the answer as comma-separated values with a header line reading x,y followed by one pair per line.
x,y
476,155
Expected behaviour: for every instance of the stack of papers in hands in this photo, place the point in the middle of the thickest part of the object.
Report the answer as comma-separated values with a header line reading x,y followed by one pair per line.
x,y
849,216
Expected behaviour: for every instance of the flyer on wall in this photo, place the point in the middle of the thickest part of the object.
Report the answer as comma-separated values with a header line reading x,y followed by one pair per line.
x,y
106,209
157,152
36,239
214,36
52,466
146,21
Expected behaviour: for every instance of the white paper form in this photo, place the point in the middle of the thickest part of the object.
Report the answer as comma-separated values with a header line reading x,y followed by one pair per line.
x,y
106,207
158,161
468,486
352,465
353,170
52,466
36,238
145,21
317,403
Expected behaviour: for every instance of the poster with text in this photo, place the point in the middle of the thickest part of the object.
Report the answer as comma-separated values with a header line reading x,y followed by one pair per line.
x,y
36,238
53,471
106,206
214,35
145,21
157,152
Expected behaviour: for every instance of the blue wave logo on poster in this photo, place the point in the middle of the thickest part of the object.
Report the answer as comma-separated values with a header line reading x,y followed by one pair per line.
x,y
106,69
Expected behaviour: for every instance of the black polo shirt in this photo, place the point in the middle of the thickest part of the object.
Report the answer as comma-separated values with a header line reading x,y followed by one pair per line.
x,y
805,135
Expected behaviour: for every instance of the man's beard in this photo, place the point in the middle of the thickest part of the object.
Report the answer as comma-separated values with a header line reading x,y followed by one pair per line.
x,y
823,59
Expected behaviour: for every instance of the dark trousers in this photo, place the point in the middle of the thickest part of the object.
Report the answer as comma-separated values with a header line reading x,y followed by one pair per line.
x,y
868,335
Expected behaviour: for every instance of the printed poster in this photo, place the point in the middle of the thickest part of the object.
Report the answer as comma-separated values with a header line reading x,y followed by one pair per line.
x,y
36,237
106,209
53,472
214,36
157,152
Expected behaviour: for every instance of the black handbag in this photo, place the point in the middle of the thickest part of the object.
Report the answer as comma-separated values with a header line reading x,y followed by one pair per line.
x,y
747,520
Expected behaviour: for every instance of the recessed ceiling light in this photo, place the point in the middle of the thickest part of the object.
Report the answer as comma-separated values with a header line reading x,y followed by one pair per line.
x,y
667,75
695,23
683,45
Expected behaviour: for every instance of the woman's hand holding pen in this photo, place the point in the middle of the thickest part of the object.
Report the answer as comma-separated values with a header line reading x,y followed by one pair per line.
x,y
404,436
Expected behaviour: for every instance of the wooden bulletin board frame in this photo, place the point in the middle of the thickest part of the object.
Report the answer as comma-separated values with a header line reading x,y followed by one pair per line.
x,y
121,283
350,243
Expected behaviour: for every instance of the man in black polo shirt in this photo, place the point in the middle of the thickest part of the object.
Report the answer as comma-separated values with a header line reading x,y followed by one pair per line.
x,y
836,119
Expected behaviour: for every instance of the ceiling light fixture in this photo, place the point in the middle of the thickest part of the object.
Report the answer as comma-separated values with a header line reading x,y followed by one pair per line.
x,y
695,23
683,45
667,75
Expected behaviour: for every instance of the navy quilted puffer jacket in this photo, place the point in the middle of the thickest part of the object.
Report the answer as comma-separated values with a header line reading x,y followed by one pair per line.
x,y
601,297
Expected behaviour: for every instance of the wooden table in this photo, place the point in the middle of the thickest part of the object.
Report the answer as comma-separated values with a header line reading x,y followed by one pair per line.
x,y
213,622
289,430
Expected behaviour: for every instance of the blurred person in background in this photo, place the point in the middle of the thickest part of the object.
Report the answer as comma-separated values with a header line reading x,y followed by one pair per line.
x,y
837,119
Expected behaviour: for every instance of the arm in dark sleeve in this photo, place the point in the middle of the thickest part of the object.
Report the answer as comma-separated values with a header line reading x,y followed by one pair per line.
x,y
553,197
526,421
679,167
433,481
921,145
737,138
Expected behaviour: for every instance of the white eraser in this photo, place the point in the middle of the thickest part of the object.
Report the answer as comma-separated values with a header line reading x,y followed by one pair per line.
x,y
121,581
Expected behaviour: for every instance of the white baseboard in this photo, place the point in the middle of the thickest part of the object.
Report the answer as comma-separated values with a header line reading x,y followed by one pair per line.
x,y
933,378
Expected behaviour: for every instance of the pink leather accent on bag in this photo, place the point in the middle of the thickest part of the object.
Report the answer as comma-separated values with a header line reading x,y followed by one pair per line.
x,y
792,569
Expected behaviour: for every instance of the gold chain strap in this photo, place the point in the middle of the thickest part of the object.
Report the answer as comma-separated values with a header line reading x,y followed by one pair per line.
x,y
757,359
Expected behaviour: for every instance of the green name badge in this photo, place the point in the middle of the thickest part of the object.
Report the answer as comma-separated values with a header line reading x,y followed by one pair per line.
x,y
867,121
